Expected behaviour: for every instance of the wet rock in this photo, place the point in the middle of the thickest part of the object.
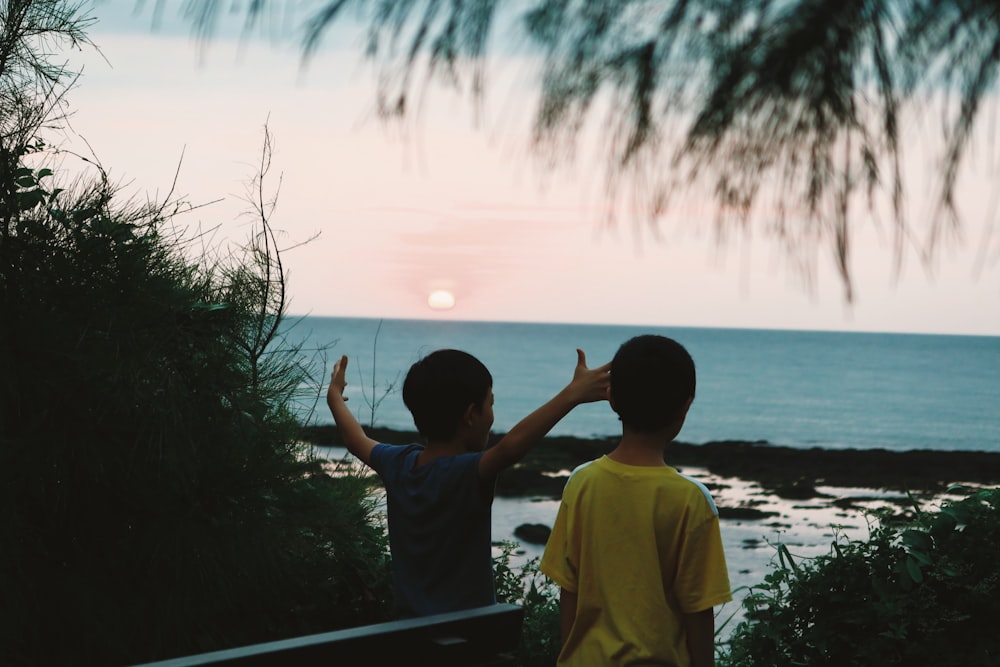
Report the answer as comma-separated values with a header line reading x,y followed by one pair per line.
x,y
797,490
744,513
533,533
520,482
769,465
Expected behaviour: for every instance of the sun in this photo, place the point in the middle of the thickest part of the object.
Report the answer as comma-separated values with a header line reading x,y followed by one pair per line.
x,y
441,299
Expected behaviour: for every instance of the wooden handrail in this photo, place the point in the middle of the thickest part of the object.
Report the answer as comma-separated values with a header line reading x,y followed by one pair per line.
x,y
480,637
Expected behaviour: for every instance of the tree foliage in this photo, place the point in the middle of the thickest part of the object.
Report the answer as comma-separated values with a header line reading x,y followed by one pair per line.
x,y
31,85
789,112
154,498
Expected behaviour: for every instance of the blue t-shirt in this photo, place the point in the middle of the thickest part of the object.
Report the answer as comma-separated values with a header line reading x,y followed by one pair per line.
x,y
439,530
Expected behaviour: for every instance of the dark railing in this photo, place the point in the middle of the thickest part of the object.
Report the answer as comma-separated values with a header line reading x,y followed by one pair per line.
x,y
481,637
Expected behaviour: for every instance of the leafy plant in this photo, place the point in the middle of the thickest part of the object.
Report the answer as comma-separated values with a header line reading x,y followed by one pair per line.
x,y
525,585
920,591
154,494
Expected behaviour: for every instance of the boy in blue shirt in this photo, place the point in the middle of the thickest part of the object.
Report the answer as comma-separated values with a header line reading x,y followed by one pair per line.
x,y
439,494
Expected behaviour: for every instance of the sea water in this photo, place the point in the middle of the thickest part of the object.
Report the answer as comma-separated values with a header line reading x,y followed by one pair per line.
x,y
791,388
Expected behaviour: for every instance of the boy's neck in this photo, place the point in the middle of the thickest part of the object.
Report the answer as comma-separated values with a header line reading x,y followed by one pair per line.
x,y
641,449
434,449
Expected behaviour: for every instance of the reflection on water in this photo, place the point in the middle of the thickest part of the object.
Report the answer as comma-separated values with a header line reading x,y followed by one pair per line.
x,y
807,527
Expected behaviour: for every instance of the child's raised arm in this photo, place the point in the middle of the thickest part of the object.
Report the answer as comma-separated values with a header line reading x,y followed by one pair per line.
x,y
588,385
357,441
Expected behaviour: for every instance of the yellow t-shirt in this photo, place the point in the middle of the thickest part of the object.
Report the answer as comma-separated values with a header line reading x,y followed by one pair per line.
x,y
640,546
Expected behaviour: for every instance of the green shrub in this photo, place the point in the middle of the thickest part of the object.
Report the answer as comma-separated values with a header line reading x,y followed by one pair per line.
x,y
920,592
154,498
524,585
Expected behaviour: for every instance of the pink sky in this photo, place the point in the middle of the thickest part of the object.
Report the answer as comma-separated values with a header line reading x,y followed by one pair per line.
x,y
444,204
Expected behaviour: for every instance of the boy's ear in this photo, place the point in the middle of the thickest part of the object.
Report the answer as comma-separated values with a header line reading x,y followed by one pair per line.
x,y
471,410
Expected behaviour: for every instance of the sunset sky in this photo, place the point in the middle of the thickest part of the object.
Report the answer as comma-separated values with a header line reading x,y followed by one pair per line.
x,y
454,205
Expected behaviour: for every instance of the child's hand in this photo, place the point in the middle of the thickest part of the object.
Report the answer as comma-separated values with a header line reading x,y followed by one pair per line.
x,y
590,384
338,380
358,443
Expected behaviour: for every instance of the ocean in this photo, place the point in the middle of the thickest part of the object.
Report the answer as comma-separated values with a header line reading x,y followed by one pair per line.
x,y
789,388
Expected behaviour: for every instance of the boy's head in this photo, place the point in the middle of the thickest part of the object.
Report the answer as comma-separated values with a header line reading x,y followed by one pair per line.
x,y
652,383
440,388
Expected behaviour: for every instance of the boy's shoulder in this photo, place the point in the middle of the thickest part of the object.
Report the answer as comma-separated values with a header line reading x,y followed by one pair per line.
x,y
384,453
402,460
392,449
684,485
583,466
704,491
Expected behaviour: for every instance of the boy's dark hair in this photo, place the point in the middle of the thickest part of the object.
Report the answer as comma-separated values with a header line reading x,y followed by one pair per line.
x,y
652,377
439,388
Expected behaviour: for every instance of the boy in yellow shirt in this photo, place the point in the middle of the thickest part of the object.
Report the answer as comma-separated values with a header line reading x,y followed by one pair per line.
x,y
636,547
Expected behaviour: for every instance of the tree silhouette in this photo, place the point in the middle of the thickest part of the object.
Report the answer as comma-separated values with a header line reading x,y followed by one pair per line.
x,y
156,498
788,111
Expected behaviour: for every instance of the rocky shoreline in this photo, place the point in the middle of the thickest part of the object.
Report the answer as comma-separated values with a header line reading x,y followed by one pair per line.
x,y
787,472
